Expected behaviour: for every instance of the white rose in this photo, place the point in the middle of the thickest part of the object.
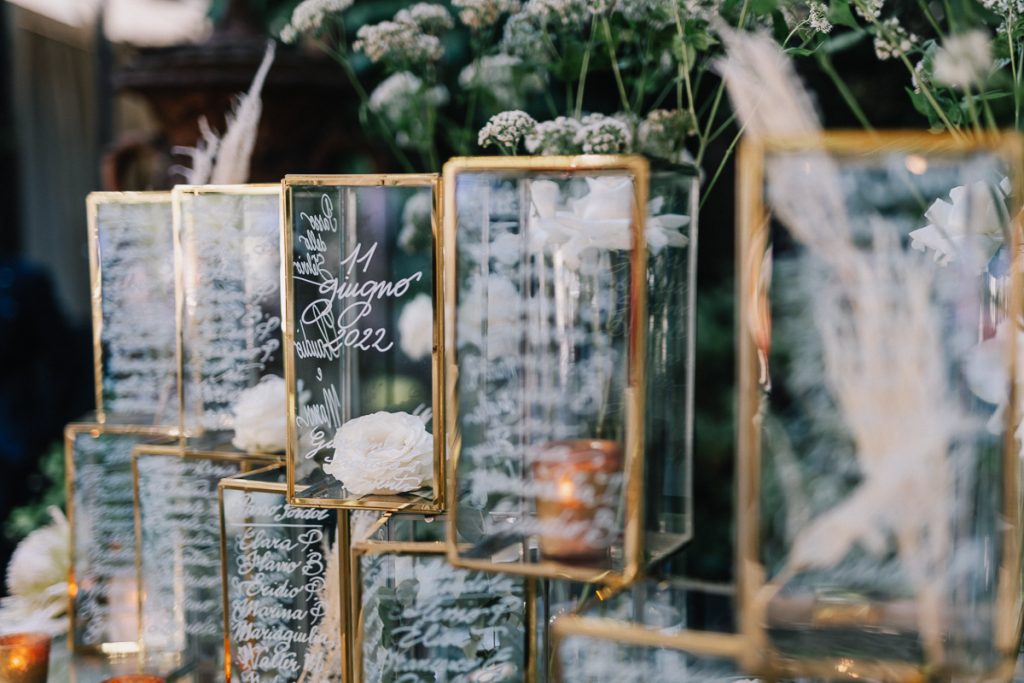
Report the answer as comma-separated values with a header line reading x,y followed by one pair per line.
x,y
261,415
37,579
416,327
968,226
383,453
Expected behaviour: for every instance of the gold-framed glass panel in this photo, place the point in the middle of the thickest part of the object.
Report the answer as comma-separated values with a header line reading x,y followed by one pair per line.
x,y
655,631
546,291
177,551
131,266
103,599
879,314
284,582
363,360
227,240
415,615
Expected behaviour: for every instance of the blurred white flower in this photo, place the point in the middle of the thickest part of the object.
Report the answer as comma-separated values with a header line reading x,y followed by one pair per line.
x,y
400,99
428,17
892,40
37,579
398,43
382,453
987,373
502,76
969,227
523,37
868,9
601,134
557,136
309,16
478,14
964,60
416,327
560,14
261,417
489,317
505,130
663,132
417,230
817,16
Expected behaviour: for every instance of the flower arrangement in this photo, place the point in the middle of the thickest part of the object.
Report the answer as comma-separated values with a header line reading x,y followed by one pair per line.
x,y
261,414
383,453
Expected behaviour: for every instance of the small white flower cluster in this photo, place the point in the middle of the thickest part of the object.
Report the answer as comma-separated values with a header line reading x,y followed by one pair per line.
x,y
1004,8
892,40
922,74
869,10
554,137
523,38
502,76
817,17
478,14
558,13
397,42
506,129
429,18
399,100
662,133
309,16
655,13
600,134
964,60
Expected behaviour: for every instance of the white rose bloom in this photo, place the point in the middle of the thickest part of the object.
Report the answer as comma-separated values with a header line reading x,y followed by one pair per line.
x,y
970,226
383,453
261,415
416,327
37,579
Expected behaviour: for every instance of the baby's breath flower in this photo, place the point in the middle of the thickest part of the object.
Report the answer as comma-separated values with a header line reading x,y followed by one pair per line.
x,y
557,13
478,14
922,75
309,16
554,137
662,133
892,40
399,100
397,43
964,60
503,77
604,135
869,10
817,16
429,18
505,130
1005,8
523,38
650,12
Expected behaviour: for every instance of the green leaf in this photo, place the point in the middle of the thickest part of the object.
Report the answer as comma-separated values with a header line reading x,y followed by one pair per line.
x,y
845,40
799,51
840,15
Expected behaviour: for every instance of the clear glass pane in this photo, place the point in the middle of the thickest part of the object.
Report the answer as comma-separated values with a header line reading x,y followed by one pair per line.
x,y
362,285
231,317
133,241
179,558
284,582
105,603
878,312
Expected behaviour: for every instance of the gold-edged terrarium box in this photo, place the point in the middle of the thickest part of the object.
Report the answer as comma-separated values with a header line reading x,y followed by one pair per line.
x,y
879,509
177,544
131,268
103,602
362,325
284,581
569,287
229,344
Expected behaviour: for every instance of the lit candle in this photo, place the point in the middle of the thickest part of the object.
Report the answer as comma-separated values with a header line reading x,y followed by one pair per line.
x,y
24,657
577,484
136,678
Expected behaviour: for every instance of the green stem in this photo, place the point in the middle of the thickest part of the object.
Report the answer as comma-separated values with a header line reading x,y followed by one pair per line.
x,y
706,191
584,67
826,65
972,111
615,63
1014,71
926,91
930,17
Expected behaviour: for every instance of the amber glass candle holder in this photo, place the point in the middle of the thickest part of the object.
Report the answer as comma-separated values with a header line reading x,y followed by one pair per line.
x,y
578,482
136,678
24,657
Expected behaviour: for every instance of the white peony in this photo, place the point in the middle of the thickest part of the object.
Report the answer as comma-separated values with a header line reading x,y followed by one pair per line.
x,y
382,453
261,417
971,226
599,220
37,578
416,327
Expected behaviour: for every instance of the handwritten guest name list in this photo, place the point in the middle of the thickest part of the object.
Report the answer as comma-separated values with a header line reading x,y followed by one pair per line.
x,y
283,581
180,553
345,299
535,367
232,307
105,602
424,619
135,254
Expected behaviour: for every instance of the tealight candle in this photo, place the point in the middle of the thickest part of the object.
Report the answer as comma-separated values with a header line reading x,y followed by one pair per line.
x,y
24,657
577,483
136,678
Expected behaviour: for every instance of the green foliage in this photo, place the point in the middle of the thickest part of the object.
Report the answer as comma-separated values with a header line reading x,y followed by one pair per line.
x,y
48,485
